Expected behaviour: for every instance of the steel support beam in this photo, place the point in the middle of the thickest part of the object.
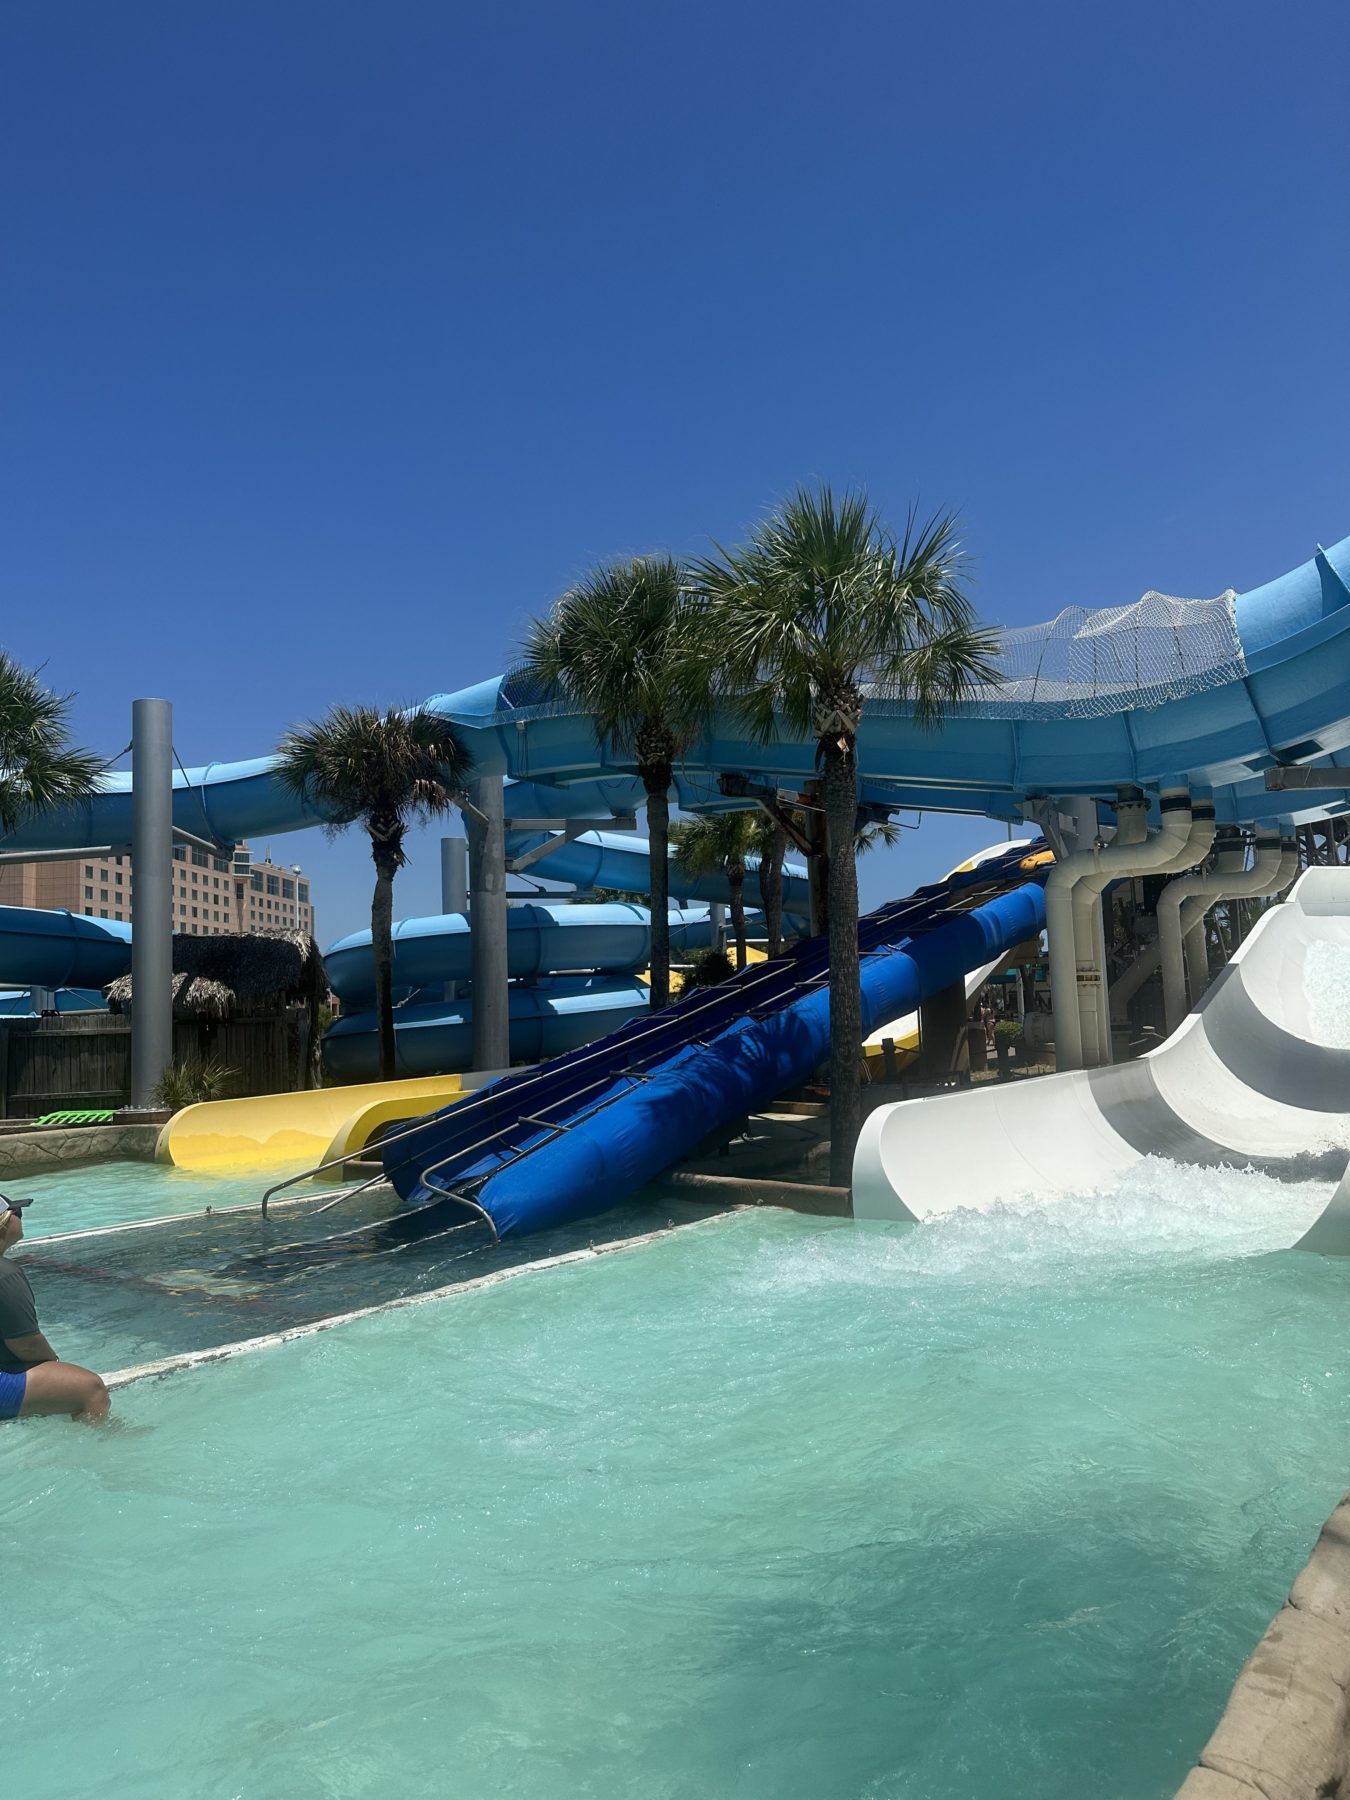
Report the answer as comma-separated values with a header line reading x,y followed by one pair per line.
x,y
152,880
485,824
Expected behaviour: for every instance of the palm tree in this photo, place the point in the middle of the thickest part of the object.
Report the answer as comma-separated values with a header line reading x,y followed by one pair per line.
x,y
718,844
771,842
820,609
38,767
613,645
385,770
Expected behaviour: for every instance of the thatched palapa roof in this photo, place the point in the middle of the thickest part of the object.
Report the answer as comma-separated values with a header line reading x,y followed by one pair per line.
x,y
228,977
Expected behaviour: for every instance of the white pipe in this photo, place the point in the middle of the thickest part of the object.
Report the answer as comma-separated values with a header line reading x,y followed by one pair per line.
x,y
1089,935
1193,850
1181,903
1274,866
1157,852
1224,882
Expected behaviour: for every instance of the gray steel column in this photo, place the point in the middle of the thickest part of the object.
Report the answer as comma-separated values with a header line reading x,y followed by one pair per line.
x,y
454,888
454,875
487,921
717,925
152,884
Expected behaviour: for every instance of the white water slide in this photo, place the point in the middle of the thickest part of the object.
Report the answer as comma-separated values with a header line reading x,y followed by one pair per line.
x,y
1257,1076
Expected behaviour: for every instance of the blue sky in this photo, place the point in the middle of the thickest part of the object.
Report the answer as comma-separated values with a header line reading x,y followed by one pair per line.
x,y
338,338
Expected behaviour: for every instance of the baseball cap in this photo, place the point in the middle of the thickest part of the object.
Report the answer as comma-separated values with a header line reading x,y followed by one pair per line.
x,y
13,1205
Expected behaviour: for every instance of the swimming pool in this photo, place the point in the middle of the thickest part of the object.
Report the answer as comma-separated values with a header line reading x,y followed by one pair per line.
x,y
778,1507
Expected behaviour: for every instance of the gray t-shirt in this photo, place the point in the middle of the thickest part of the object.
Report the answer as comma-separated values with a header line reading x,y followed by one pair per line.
x,y
18,1314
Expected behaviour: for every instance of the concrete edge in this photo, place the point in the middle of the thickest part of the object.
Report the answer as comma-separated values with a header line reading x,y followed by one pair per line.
x,y
57,1147
194,1359
1285,1732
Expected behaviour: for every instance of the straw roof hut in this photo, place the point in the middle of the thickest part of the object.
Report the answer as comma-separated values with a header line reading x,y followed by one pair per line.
x,y
220,978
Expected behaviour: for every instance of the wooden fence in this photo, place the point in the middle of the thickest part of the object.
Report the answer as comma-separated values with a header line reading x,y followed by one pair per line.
x,y
84,1059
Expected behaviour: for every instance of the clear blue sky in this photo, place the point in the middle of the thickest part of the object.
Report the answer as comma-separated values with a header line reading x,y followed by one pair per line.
x,y
338,337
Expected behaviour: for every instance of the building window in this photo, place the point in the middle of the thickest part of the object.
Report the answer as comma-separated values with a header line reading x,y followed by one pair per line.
x,y
103,912
200,859
304,893
89,893
182,912
88,912
221,864
118,876
88,872
103,895
179,853
117,915
273,884
287,890
257,882
194,912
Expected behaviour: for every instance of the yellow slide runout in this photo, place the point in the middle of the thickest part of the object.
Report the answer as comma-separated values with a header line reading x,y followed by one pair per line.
x,y
273,1130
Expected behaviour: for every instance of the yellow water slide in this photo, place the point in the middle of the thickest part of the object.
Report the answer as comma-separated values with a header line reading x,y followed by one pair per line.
x,y
301,1130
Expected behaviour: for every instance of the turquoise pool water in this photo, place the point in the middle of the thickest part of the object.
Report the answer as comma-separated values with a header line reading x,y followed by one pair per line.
x,y
116,1193
777,1508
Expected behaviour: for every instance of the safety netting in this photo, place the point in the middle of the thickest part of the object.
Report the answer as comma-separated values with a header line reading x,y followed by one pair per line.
x,y
1088,663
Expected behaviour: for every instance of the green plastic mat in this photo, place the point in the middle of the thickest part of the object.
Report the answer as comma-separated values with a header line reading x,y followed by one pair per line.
x,y
97,1115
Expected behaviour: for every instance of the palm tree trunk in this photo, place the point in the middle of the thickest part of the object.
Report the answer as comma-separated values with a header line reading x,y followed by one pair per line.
x,y
841,811
657,785
736,882
771,888
382,949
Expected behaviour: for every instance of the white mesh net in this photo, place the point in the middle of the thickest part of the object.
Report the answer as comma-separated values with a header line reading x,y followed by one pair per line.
x,y
1090,663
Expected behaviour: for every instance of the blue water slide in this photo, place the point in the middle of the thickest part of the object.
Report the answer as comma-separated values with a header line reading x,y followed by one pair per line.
x,y
1277,688
67,1000
61,949
585,1131
614,860
541,939
547,1018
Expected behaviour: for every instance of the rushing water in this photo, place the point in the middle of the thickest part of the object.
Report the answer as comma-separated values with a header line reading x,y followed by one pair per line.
x,y
778,1508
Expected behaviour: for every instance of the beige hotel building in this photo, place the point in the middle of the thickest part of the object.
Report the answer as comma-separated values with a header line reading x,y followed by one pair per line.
x,y
212,895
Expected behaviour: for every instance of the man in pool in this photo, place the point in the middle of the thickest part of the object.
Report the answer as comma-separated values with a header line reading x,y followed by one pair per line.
x,y
32,1377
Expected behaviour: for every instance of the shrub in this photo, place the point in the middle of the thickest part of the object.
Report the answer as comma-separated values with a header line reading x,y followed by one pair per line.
x,y
708,968
196,1078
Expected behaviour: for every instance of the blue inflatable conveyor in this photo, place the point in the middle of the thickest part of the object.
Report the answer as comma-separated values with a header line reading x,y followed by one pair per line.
x,y
579,1135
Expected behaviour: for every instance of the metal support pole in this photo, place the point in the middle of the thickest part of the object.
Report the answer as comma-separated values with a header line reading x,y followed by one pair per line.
x,y
717,925
152,880
454,888
487,914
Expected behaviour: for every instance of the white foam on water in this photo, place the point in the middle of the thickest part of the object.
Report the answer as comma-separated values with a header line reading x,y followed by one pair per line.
x,y
1159,1210
1326,984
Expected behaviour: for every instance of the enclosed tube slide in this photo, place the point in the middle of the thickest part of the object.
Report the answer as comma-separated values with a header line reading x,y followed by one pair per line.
x,y
1278,689
61,949
541,939
1258,1074
615,860
548,1018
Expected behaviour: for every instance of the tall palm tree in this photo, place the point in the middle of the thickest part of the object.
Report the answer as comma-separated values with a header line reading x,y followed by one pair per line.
x,y
613,645
820,609
718,844
39,769
385,771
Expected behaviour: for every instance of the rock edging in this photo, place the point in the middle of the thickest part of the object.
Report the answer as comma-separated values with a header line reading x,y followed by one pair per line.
x,y
59,1147
1285,1733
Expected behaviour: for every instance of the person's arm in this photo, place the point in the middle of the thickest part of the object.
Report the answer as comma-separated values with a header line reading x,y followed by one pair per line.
x,y
32,1348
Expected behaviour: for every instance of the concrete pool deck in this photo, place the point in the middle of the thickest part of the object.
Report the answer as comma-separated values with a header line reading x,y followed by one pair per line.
x,y
1285,1733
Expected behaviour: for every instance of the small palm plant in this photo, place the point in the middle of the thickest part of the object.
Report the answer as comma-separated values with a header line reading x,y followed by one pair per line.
x,y
613,645
39,769
822,607
385,771
719,844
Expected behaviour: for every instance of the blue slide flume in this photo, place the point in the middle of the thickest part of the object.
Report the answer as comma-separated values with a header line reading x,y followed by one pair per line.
x,y
586,1130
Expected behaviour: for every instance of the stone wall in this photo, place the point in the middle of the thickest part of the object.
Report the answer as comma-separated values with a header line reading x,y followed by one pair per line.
x,y
1285,1733
57,1147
